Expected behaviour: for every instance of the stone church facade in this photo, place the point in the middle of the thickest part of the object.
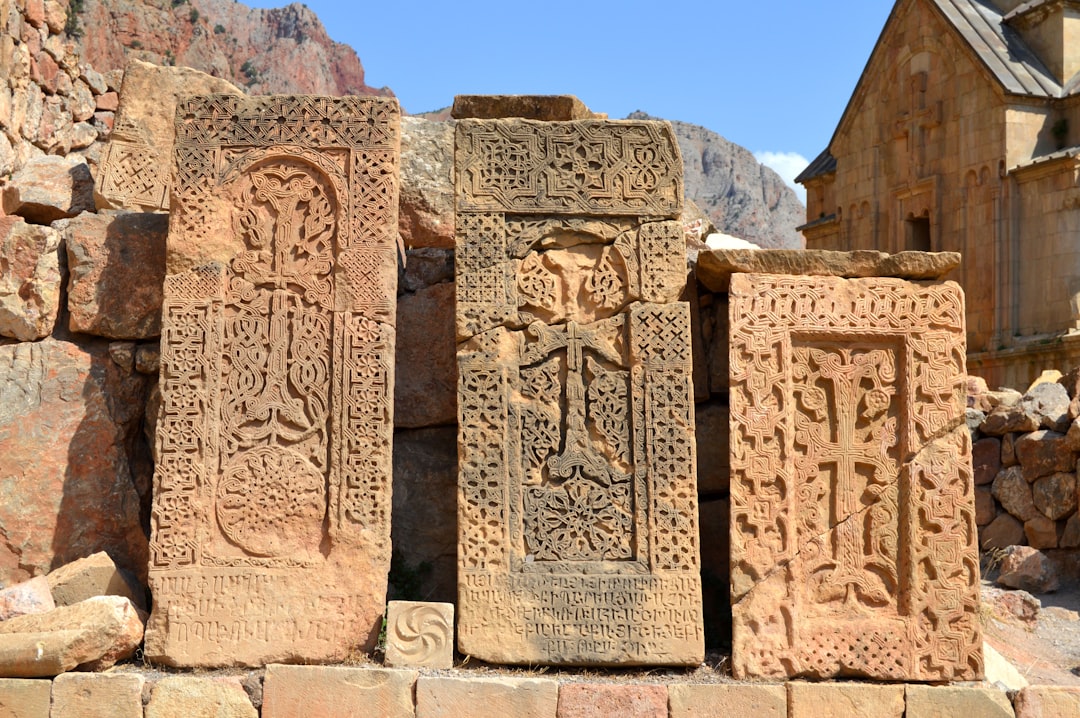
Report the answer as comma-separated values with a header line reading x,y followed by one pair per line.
x,y
963,134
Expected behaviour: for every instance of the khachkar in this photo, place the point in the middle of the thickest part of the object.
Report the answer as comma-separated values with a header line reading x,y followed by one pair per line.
x,y
577,505
853,540
271,516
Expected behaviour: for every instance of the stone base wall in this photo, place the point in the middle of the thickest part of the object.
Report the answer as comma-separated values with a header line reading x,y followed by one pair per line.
x,y
363,691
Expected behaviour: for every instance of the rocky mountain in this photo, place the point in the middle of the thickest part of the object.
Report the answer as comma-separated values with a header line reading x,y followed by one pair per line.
x,y
283,50
742,197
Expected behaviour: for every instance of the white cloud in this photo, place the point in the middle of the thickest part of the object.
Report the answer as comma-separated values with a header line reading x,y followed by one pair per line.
x,y
788,165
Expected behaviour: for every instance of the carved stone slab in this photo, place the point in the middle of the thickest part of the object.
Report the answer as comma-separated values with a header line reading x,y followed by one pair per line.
x,y
271,515
853,540
577,512
419,634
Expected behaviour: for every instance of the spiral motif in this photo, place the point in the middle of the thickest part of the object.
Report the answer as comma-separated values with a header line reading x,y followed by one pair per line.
x,y
421,632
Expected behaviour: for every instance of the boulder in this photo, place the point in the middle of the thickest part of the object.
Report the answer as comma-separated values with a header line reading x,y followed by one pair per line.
x,y
30,279
425,392
67,418
1013,605
92,635
1008,449
1049,403
1003,531
426,205
50,188
1070,536
986,459
31,596
1004,419
985,508
1014,493
1055,495
136,165
1041,533
1044,452
117,273
1029,569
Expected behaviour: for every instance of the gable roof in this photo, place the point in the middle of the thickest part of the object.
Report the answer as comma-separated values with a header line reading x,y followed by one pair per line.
x,y
994,43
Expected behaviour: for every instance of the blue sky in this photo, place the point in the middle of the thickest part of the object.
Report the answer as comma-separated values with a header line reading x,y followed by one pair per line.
x,y
770,75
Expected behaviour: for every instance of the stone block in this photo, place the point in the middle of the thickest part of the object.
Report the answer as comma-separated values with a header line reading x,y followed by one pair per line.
x,y
92,635
575,397
815,700
1048,702
715,267
134,172
1055,495
1041,532
337,692
1008,419
985,506
116,265
951,701
1070,536
51,188
419,634
438,697
67,416
547,108
688,700
272,495
98,695
22,698
95,575
835,465
425,358
30,596
30,279
184,697
601,700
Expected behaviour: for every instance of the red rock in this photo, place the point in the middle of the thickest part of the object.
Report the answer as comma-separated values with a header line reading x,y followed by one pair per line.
x,y
1055,495
975,387
1044,452
1070,537
44,71
108,102
51,188
337,692
1029,569
985,508
600,700
426,358
35,12
97,695
93,635
1041,532
29,279
444,697
1012,605
1003,531
20,698
67,415
117,271
181,697
1048,702
986,459
31,596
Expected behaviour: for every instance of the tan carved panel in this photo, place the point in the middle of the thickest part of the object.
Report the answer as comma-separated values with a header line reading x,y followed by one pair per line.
x,y
271,516
577,511
853,532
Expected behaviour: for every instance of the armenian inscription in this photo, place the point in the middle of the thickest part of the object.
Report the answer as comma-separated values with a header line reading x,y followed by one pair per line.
x,y
271,524
578,503
852,515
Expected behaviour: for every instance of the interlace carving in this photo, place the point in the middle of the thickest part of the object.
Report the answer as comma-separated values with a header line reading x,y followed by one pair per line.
x,y
577,483
277,356
853,534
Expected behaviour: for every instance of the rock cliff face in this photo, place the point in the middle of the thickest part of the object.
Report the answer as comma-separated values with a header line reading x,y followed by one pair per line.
x,y
283,50
741,197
